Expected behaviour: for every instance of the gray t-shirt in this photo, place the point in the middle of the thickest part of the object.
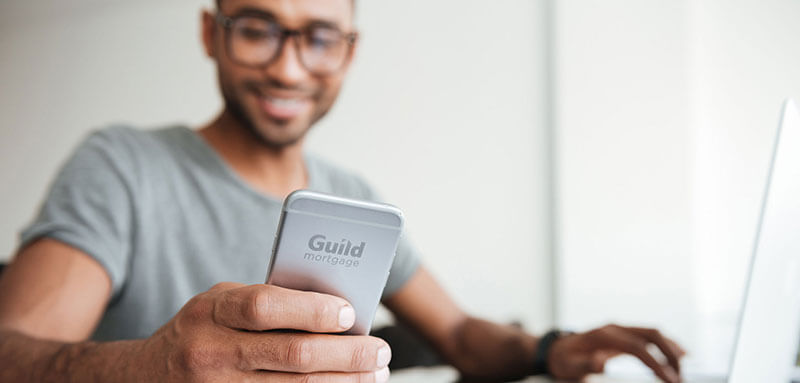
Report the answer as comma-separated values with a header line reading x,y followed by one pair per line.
x,y
168,219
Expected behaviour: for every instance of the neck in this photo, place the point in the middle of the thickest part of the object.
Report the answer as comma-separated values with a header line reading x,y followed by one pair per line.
x,y
274,171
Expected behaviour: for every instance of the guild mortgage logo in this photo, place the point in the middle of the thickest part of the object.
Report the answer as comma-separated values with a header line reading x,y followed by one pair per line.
x,y
337,253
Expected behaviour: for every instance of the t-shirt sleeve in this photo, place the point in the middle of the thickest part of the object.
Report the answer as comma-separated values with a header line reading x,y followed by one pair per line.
x,y
406,259
89,206
406,262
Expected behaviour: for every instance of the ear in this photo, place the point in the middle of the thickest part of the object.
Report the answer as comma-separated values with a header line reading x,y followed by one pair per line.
x,y
208,31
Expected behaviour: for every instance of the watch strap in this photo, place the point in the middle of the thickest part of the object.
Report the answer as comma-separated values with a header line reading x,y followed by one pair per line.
x,y
540,361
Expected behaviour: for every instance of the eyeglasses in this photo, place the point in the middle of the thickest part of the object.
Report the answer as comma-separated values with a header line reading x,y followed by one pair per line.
x,y
255,41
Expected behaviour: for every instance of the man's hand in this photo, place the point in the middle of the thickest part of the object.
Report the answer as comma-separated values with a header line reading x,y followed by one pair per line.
x,y
232,332
577,355
229,333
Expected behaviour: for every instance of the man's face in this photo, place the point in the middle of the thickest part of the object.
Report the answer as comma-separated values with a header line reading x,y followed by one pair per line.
x,y
280,101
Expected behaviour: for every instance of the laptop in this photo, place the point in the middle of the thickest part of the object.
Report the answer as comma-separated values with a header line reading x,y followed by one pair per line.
x,y
767,337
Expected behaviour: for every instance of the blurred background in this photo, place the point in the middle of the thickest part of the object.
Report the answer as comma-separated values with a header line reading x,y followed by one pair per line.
x,y
560,163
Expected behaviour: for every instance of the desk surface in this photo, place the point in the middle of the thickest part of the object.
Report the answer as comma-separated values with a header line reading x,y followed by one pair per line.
x,y
449,375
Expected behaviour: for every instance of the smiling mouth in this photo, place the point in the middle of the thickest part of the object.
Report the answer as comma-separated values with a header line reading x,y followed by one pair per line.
x,y
283,108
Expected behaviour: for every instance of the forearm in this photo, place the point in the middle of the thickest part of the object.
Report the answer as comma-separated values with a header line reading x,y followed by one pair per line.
x,y
482,349
477,348
28,359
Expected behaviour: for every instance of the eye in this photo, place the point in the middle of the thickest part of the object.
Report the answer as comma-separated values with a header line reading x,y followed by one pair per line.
x,y
324,38
253,33
255,30
322,43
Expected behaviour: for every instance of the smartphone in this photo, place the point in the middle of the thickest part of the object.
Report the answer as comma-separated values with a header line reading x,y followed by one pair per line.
x,y
337,246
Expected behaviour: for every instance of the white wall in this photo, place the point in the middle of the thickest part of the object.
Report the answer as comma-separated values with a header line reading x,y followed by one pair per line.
x,y
68,67
446,99
665,111
451,117
745,62
623,151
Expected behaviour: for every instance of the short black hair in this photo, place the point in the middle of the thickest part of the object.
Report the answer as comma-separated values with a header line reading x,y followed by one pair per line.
x,y
353,2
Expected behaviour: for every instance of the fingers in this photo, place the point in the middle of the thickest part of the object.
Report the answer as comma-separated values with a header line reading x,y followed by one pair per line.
x,y
670,349
303,352
618,338
598,360
681,351
379,376
225,286
267,307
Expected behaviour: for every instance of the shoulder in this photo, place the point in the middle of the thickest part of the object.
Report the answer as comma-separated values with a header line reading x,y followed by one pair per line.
x,y
101,148
335,179
122,150
126,139
124,142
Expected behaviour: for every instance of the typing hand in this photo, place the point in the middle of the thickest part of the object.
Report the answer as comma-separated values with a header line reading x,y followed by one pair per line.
x,y
577,355
223,335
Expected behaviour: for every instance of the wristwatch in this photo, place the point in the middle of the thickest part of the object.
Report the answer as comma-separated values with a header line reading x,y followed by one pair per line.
x,y
540,361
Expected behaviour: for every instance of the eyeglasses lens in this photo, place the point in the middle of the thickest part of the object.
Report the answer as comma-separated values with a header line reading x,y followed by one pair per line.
x,y
256,42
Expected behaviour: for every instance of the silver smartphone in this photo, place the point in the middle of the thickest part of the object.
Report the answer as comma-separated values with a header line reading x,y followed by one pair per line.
x,y
338,246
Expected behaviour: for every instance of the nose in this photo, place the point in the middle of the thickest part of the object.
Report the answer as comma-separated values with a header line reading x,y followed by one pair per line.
x,y
287,68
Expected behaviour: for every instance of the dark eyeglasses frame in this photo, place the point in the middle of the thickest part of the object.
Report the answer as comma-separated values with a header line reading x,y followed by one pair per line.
x,y
227,23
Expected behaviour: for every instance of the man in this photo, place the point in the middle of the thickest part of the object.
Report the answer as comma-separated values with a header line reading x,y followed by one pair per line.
x,y
139,225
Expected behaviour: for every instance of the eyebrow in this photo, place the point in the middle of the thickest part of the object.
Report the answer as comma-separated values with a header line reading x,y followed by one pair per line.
x,y
264,14
250,11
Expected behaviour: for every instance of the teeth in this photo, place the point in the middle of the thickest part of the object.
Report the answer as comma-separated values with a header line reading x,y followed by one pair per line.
x,y
282,101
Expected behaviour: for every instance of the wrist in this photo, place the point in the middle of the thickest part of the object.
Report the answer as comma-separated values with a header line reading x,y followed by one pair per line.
x,y
541,361
28,359
120,361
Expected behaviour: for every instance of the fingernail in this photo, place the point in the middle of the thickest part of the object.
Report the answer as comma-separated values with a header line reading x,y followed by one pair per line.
x,y
672,375
384,356
382,375
347,317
